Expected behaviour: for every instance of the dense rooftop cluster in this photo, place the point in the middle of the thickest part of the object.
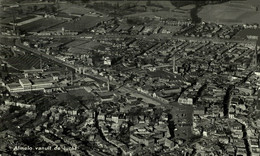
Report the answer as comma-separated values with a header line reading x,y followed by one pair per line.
x,y
87,82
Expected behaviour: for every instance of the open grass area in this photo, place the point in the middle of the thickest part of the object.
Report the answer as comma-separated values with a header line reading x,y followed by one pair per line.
x,y
161,3
74,9
163,14
75,43
231,13
89,45
83,48
188,7
165,4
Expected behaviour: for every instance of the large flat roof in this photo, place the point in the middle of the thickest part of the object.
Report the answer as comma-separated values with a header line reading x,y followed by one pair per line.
x,y
25,81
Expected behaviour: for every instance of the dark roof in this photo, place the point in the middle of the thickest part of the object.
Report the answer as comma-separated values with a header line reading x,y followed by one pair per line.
x,y
164,74
24,19
64,15
81,93
105,95
177,108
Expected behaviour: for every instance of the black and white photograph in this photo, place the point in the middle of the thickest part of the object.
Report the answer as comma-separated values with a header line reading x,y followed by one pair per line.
x,y
129,77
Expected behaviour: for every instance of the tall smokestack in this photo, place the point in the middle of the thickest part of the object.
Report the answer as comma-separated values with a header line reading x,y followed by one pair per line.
x,y
256,55
108,83
71,78
14,24
254,59
173,64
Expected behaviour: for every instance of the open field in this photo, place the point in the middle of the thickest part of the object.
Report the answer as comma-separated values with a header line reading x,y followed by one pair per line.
x,y
162,3
75,43
89,45
166,4
231,13
83,48
188,7
74,9
163,14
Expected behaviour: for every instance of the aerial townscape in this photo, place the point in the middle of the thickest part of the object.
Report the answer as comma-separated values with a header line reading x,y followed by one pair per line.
x,y
129,77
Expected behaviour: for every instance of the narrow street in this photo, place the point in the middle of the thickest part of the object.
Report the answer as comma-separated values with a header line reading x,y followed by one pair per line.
x,y
102,135
245,136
